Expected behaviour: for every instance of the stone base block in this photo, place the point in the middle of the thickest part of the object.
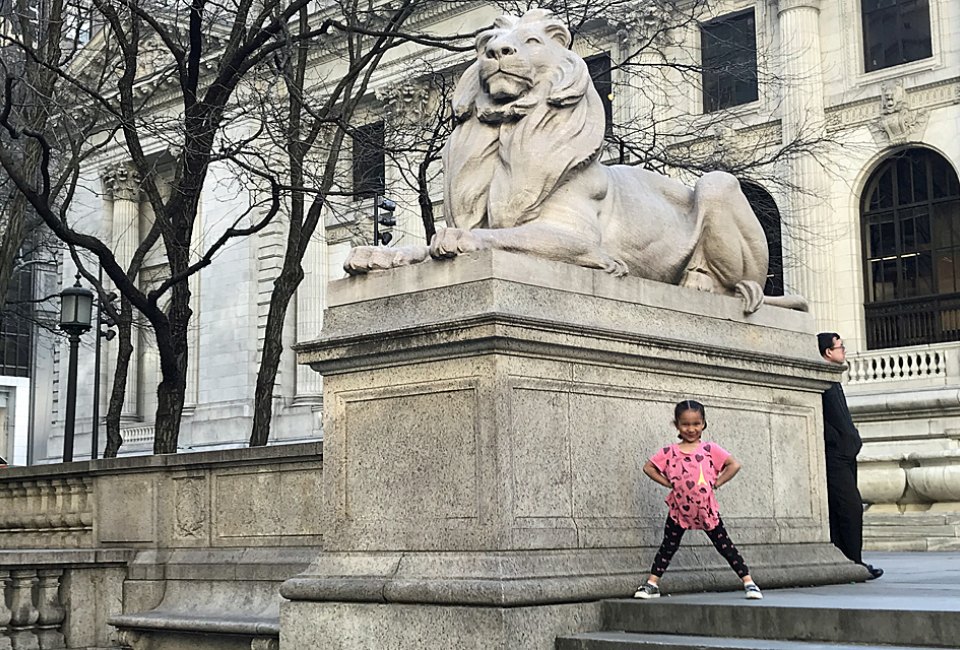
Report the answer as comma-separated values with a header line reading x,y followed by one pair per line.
x,y
524,578
169,640
363,626
486,426
911,531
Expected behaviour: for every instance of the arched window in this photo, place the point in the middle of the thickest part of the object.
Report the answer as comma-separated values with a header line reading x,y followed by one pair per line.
x,y
766,210
910,216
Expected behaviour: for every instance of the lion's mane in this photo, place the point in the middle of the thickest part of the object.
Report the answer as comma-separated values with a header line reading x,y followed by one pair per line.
x,y
505,158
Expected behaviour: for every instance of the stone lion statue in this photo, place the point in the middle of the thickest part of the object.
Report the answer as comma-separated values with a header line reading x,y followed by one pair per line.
x,y
521,173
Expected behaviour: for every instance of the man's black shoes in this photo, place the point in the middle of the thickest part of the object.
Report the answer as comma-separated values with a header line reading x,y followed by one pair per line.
x,y
875,572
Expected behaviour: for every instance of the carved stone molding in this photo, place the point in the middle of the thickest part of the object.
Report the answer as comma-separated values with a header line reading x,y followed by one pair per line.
x,y
787,5
898,122
122,182
264,643
922,99
191,519
642,24
406,102
131,639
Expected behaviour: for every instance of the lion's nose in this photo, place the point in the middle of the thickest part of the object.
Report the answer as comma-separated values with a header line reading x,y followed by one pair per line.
x,y
499,50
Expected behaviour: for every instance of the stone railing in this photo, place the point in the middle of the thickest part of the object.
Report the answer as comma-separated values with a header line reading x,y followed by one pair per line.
x,y
899,364
192,546
137,435
46,512
31,612
912,481
913,500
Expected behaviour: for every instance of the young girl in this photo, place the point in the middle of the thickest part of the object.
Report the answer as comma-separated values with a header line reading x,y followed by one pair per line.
x,y
692,470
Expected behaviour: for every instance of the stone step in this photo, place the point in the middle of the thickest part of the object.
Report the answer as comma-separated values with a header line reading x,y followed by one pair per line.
x,y
792,615
634,641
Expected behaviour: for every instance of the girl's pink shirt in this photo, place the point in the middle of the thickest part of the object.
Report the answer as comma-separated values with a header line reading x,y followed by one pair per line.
x,y
691,502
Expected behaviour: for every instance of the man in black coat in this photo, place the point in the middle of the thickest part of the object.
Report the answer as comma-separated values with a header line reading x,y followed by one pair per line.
x,y
842,441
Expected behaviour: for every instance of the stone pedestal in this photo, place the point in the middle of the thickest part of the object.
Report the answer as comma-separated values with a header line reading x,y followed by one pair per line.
x,y
486,423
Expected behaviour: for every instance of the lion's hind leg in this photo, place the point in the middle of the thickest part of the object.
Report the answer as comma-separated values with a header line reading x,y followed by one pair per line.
x,y
731,247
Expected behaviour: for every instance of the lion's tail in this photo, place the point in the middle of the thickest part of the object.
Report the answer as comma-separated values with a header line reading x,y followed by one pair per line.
x,y
798,303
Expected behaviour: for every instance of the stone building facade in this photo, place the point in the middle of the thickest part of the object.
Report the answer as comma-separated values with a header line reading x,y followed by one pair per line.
x,y
864,220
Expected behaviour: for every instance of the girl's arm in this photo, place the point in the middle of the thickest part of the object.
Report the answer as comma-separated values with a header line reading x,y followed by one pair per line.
x,y
727,472
651,470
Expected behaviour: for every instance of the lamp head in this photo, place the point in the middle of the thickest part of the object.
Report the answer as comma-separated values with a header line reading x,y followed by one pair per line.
x,y
76,309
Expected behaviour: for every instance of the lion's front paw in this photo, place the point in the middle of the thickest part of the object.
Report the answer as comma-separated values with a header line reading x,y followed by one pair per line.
x,y
363,259
451,242
616,268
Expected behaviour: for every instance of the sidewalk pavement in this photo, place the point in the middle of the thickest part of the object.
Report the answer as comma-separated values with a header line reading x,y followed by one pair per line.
x,y
921,581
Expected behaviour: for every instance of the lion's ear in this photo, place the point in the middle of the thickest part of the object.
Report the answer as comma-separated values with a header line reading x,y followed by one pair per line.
x,y
558,32
552,26
571,83
466,92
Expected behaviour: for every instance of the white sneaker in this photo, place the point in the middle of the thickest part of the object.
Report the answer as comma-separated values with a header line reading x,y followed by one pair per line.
x,y
752,591
648,590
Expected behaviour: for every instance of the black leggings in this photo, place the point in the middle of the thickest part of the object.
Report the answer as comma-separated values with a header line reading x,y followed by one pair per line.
x,y
673,533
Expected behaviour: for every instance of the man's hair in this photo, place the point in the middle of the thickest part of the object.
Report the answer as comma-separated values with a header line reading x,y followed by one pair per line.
x,y
825,341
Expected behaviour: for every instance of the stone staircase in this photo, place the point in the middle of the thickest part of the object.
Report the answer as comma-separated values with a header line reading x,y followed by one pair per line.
x,y
833,618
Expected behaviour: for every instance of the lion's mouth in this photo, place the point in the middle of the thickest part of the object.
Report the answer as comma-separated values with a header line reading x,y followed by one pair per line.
x,y
505,85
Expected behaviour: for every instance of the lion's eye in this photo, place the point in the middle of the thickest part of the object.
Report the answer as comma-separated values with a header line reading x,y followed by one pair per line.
x,y
533,40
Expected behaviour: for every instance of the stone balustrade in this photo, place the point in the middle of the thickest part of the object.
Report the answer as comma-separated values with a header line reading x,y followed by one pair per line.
x,y
46,512
913,501
193,545
900,364
31,612
924,481
138,435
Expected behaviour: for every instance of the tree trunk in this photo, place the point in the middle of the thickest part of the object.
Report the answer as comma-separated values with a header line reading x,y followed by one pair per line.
x,y
284,289
426,204
172,347
118,391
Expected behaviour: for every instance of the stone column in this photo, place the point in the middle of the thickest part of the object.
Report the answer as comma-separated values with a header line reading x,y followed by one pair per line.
x,y
4,612
311,300
809,229
24,614
123,184
640,99
50,611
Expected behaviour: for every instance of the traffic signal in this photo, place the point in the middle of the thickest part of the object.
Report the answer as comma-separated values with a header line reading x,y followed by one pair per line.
x,y
384,220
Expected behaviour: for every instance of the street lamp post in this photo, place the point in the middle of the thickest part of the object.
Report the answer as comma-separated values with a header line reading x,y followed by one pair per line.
x,y
76,307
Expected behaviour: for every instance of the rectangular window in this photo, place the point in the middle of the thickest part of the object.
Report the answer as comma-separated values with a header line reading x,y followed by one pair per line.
x,y
895,32
369,163
728,48
599,67
16,330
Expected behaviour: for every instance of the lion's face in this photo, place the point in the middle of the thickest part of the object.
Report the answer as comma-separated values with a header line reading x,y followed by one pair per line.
x,y
513,58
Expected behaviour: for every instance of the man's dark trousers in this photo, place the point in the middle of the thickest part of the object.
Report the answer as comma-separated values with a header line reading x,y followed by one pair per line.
x,y
845,506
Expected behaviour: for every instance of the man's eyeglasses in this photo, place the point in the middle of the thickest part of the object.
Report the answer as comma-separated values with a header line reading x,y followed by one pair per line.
x,y
839,347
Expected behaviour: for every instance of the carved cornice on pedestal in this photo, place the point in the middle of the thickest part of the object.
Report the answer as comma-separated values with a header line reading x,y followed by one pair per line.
x,y
121,182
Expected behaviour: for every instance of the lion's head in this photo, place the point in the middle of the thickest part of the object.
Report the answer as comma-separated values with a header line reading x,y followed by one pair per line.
x,y
528,115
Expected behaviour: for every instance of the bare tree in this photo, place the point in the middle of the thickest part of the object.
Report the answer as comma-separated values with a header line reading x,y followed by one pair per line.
x,y
324,111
